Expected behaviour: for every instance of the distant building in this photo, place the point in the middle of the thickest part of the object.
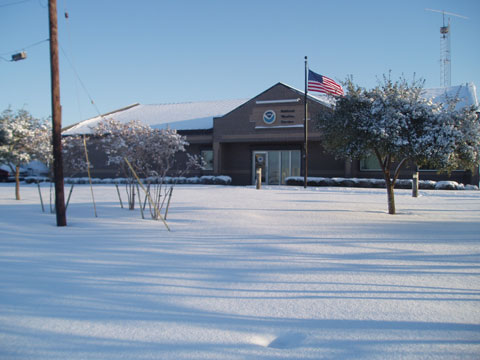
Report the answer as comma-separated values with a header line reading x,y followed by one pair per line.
x,y
237,136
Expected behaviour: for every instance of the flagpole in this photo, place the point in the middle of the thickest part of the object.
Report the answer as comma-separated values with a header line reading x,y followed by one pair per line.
x,y
305,129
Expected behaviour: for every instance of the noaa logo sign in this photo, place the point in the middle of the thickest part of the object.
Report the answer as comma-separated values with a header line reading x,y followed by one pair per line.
x,y
269,117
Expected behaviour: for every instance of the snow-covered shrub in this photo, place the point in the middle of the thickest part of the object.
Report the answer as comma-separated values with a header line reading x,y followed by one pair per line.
x,y
343,182
363,183
294,181
119,181
207,179
446,185
315,181
139,150
193,180
427,184
36,179
168,180
223,180
73,153
377,183
179,180
403,184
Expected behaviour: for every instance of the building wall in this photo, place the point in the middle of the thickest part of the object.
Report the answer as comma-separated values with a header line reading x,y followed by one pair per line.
x,y
236,162
238,134
322,164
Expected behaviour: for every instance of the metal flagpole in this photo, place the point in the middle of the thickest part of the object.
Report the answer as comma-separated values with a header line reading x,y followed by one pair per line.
x,y
305,130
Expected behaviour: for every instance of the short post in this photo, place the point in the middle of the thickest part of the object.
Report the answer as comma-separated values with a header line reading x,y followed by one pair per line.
x,y
89,176
139,202
69,196
415,183
40,194
259,178
119,197
168,203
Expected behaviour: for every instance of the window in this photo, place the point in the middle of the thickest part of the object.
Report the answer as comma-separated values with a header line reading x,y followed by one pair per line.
x,y
276,165
207,156
370,163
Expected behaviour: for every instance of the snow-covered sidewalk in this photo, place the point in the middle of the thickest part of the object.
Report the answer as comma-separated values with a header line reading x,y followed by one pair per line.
x,y
281,273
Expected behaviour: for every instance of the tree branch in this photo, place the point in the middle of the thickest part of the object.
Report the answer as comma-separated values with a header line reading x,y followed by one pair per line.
x,y
397,170
380,160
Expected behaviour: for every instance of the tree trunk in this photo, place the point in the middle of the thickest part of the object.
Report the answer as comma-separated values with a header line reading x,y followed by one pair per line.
x,y
391,197
389,182
17,182
131,203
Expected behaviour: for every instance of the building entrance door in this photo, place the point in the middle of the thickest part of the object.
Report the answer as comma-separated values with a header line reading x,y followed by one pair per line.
x,y
260,161
276,165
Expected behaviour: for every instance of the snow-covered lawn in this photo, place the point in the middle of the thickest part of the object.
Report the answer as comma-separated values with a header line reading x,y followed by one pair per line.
x,y
281,273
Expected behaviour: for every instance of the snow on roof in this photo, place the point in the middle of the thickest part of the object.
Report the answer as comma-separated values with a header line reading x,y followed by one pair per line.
x,y
179,116
324,99
199,115
466,94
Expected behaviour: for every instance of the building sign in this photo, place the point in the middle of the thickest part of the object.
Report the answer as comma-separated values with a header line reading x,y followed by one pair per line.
x,y
277,113
269,117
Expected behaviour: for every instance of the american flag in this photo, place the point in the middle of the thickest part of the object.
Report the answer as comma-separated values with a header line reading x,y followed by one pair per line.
x,y
323,84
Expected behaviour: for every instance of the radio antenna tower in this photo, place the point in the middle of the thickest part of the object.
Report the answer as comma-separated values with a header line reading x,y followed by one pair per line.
x,y
445,49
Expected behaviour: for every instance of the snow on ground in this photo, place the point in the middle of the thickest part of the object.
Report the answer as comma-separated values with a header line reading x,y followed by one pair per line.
x,y
280,273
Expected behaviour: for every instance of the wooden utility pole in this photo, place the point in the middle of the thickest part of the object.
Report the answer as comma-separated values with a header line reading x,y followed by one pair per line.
x,y
56,116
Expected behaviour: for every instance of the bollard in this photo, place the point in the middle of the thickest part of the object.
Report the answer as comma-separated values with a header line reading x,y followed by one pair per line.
x,y
259,178
415,184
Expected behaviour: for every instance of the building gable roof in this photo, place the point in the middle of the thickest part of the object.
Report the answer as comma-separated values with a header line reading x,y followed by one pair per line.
x,y
322,99
200,115
466,95
179,116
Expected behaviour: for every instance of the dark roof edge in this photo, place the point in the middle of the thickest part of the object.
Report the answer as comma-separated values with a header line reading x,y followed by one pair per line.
x,y
101,115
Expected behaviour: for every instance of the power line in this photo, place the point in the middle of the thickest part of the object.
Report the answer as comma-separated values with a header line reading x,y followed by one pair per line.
x,y
67,27
80,81
14,3
25,47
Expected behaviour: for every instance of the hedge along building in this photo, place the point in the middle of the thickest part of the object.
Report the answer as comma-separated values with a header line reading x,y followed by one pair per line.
x,y
237,136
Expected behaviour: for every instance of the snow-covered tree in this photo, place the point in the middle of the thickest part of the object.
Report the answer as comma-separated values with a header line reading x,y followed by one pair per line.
x,y
73,153
396,124
453,140
24,138
151,152
122,141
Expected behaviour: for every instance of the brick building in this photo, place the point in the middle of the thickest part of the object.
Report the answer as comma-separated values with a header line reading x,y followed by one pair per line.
x,y
237,136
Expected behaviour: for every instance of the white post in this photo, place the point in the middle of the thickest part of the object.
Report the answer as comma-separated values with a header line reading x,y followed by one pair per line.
x,y
415,183
259,178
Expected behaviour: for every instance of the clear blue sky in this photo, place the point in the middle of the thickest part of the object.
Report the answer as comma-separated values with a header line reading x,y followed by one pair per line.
x,y
159,51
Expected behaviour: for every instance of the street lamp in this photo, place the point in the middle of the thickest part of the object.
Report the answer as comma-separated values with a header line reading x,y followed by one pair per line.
x,y
19,56
16,57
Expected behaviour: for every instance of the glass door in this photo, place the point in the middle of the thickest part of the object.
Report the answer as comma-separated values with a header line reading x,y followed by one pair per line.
x,y
274,168
276,165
